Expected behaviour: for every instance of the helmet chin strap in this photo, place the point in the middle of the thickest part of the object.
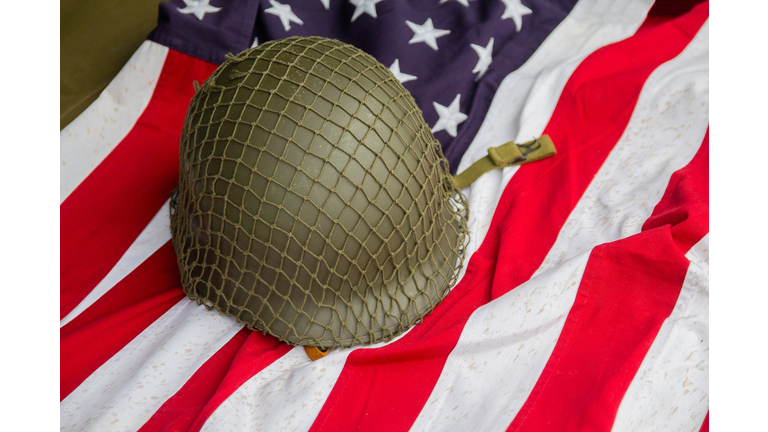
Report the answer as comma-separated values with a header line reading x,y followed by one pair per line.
x,y
505,155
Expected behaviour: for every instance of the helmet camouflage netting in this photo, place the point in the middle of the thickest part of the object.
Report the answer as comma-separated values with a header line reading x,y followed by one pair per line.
x,y
314,203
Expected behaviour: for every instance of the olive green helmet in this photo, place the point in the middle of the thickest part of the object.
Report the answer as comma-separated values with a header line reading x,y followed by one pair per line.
x,y
314,203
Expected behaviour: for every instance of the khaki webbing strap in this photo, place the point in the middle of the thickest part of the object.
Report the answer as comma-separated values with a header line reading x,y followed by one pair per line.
x,y
315,353
505,155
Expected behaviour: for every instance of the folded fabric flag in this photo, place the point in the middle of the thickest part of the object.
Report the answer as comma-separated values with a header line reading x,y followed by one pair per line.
x,y
584,303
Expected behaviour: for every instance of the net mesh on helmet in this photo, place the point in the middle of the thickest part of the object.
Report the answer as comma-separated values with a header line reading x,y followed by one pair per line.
x,y
314,203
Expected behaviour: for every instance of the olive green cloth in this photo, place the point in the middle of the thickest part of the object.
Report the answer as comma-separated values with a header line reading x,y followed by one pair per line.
x,y
97,39
505,155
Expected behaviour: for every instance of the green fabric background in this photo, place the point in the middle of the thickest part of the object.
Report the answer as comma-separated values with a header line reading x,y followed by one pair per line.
x,y
97,39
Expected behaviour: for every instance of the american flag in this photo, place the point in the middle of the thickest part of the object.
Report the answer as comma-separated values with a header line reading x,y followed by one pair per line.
x,y
585,301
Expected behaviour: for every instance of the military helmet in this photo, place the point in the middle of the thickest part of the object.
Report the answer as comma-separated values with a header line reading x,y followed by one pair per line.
x,y
314,203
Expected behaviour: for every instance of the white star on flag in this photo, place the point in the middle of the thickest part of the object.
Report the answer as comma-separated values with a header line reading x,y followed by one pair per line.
x,y
367,6
285,14
198,7
515,10
426,33
464,2
326,3
402,77
485,58
450,116
255,42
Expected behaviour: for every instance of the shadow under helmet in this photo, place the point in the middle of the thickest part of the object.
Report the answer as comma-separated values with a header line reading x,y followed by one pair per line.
x,y
314,203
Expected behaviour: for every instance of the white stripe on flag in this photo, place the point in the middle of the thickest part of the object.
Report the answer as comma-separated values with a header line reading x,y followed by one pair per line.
x,y
280,376
699,255
526,98
671,389
512,337
152,238
580,35
127,390
96,132
618,201
286,395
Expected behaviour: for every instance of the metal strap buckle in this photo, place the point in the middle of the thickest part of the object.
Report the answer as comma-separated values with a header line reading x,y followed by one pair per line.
x,y
529,147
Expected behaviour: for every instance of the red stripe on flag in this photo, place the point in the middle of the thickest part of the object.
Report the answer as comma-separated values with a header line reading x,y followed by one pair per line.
x,y
590,117
685,204
705,425
109,209
258,352
160,266
114,320
245,355
629,288
178,412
